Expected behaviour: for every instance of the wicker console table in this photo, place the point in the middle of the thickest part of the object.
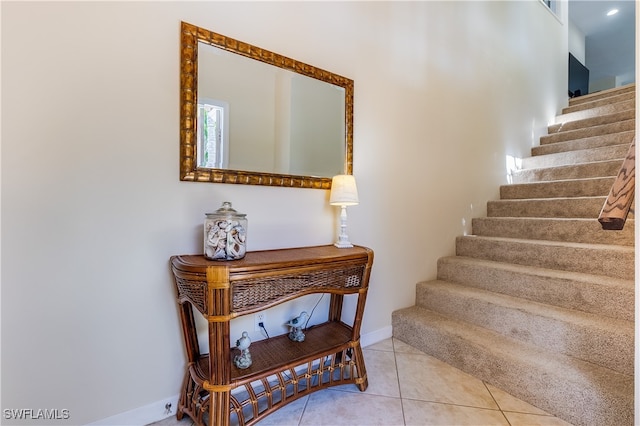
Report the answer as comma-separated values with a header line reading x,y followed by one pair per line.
x,y
214,391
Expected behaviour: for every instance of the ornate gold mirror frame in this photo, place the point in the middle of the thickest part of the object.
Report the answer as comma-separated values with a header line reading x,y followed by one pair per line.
x,y
191,35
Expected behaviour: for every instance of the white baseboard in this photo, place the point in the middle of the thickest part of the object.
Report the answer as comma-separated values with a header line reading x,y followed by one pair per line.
x,y
156,411
141,416
376,336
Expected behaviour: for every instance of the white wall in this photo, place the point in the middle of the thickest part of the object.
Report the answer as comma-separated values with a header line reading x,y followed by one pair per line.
x,y
92,207
576,43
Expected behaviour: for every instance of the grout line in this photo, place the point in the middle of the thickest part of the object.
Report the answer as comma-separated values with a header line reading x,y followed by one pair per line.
x,y
496,401
395,361
453,404
303,410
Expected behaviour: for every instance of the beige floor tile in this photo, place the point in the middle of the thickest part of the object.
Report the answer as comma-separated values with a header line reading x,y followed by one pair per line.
x,y
385,345
173,421
425,378
289,415
419,413
332,407
402,347
381,374
521,419
508,402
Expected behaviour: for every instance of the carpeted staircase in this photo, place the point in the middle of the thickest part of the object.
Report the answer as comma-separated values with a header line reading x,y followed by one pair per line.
x,y
539,301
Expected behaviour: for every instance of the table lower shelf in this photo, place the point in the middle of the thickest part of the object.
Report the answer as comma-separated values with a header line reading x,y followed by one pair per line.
x,y
282,371
280,352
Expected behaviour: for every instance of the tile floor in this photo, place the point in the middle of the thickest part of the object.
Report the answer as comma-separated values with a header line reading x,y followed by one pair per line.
x,y
417,390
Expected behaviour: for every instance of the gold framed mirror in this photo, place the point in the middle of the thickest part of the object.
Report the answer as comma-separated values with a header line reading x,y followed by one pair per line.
x,y
252,116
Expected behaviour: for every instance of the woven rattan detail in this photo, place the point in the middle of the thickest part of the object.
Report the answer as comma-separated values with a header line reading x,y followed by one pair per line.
x,y
251,401
194,400
255,292
193,290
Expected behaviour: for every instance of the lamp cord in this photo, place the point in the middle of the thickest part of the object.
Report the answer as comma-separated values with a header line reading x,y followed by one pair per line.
x,y
314,308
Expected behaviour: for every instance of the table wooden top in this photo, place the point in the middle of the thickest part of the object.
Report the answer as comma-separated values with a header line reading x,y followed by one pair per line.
x,y
279,258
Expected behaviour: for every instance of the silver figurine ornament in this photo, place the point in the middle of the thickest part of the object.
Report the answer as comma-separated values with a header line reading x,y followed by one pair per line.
x,y
244,359
295,327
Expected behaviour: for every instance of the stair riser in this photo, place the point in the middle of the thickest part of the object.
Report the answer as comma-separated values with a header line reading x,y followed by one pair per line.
x,y
612,261
585,143
565,393
555,189
594,112
581,171
599,102
585,207
623,126
615,152
611,298
593,121
606,346
568,230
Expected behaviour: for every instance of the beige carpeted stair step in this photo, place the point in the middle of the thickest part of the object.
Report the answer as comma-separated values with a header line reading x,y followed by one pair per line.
x,y
579,171
604,129
598,120
611,297
598,259
610,152
589,103
585,143
553,229
603,94
587,187
580,392
605,341
629,104
586,207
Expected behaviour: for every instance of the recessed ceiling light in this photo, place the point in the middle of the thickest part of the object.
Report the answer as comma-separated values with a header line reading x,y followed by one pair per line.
x,y
612,12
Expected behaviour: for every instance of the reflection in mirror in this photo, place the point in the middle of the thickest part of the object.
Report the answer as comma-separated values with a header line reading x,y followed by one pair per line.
x,y
255,117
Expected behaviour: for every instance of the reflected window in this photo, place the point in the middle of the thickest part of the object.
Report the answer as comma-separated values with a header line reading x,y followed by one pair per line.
x,y
552,5
213,136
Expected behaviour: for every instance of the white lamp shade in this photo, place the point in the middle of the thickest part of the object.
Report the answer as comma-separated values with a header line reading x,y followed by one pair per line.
x,y
343,191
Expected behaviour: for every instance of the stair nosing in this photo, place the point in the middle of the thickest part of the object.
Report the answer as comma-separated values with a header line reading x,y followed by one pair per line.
x,y
549,138
613,247
559,181
609,116
582,151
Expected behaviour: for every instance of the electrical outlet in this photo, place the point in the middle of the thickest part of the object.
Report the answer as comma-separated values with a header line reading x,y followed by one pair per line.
x,y
260,317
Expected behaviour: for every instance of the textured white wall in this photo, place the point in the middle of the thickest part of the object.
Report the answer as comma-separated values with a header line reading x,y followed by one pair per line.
x,y
92,207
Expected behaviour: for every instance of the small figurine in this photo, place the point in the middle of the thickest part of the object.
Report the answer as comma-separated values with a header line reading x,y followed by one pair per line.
x,y
244,359
296,324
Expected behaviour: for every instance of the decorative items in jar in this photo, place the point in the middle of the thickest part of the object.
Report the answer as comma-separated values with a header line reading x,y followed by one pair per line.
x,y
225,234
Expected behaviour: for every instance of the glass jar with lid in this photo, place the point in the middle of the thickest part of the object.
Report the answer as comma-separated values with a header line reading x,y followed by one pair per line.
x,y
225,234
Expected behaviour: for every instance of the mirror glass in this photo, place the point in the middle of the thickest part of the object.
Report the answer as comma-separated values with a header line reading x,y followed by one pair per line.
x,y
255,117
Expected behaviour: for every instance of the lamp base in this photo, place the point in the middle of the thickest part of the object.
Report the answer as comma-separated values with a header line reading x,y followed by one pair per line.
x,y
341,244
343,238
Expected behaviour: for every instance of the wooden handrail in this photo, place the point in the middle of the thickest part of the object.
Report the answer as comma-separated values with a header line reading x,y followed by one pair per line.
x,y
616,208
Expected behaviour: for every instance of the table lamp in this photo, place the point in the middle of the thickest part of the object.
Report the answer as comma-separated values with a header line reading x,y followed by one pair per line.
x,y
343,193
